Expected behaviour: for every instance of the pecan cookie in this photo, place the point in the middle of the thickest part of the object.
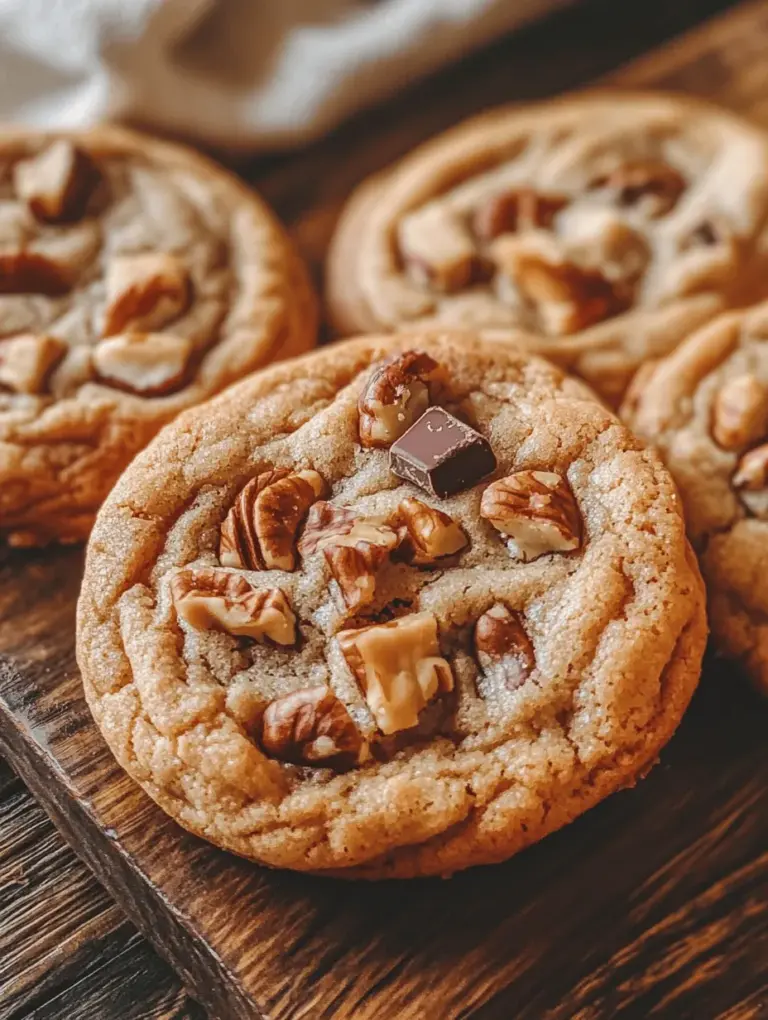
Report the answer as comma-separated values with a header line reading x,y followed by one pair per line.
x,y
395,608
600,229
706,409
136,279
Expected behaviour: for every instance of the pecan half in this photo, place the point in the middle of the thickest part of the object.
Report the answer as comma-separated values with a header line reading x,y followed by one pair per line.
x,y
145,292
429,534
396,395
212,599
57,183
149,364
29,272
398,667
311,727
517,210
259,532
503,647
537,510
651,184
740,412
355,548
26,361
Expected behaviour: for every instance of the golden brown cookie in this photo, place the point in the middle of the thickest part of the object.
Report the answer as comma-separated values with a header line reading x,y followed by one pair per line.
x,y
706,409
395,608
599,229
136,279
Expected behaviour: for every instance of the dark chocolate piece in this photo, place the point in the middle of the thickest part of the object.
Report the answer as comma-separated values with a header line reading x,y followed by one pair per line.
x,y
441,454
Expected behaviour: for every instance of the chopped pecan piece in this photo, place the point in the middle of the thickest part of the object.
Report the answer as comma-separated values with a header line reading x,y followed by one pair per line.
x,y
145,292
311,727
567,297
212,599
429,534
57,183
30,272
537,510
740,412
26,361
355,548
260,530
437,249
398,667
752,471
601,237
503,647
396,394
150,364
649,183
512,211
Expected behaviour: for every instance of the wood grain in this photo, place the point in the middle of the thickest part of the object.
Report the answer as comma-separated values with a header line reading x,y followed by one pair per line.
x,y
653,905
66,950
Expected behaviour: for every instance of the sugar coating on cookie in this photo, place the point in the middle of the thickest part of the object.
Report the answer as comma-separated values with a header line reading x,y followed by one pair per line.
x,y
599,229
706,409
136,279
320,664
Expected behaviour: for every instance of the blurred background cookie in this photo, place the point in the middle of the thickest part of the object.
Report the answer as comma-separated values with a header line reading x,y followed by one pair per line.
x,y
600,230
706,409
136,278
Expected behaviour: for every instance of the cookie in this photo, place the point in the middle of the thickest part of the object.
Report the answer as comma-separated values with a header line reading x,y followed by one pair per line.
x,y
705,407
599,230
396,608
136,279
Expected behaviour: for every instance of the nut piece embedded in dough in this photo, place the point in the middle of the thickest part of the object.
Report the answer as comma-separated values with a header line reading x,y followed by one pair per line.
x,y
740,412
145,292
503,648
30,272
650,184
437,248
149,364
512,211
57,183
398,667
396,395
566,297
259,532
212,599
26,361
752,470
430,534
537,509
355,548
311,727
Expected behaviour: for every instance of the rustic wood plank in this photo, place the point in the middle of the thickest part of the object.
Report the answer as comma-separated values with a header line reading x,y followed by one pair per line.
x,y
66,950
652,906
126,985
7,778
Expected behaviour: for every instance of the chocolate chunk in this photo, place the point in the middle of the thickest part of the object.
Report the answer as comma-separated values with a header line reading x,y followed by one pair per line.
x,y
441,454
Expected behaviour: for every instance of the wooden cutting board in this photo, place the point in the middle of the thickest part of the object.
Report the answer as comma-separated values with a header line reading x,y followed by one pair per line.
x,y
654,904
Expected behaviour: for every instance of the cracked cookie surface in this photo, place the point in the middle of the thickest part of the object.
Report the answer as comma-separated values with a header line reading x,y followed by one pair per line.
x,y
136,279
705,408
319,665
599,230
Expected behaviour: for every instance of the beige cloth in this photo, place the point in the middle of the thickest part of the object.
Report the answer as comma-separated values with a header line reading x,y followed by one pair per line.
x,y
250,73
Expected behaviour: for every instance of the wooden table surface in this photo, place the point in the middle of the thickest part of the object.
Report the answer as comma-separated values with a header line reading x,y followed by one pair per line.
x,y
66,951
